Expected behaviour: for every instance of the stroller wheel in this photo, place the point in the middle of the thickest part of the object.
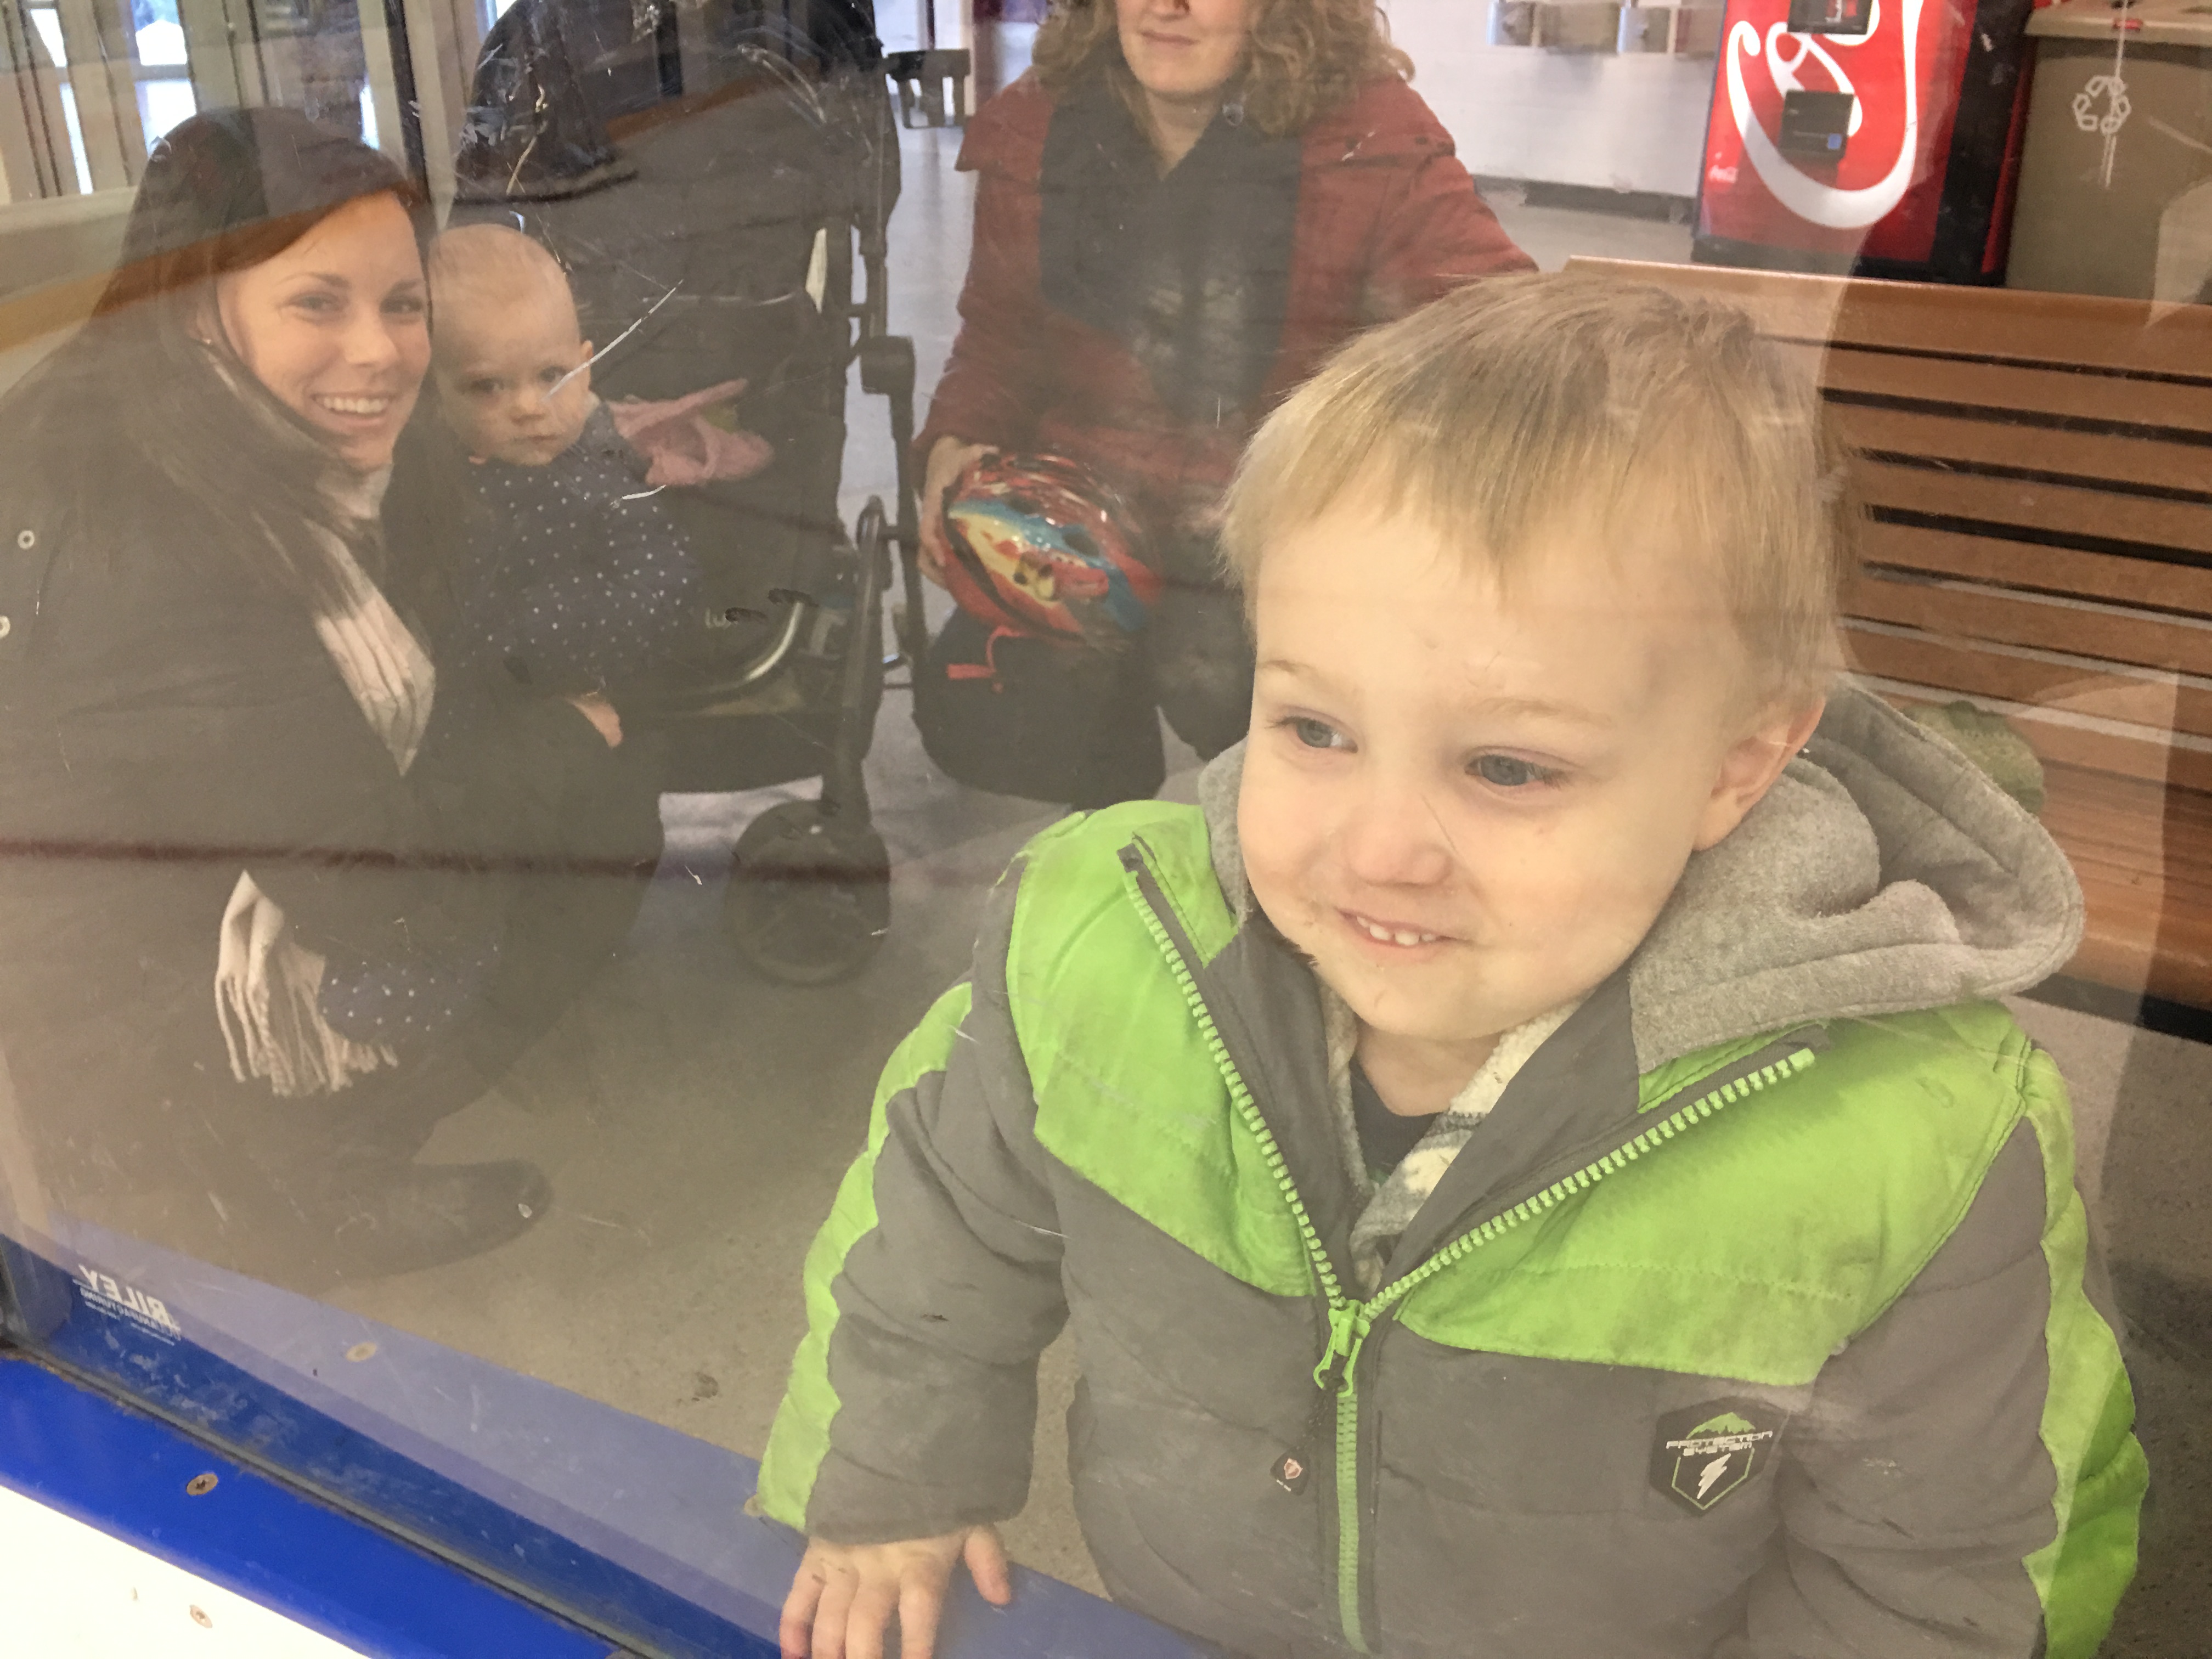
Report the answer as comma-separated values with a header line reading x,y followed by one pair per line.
x,y
809,895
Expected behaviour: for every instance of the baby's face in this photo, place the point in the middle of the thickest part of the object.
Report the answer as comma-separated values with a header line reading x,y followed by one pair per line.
x,y
511,380
1468,805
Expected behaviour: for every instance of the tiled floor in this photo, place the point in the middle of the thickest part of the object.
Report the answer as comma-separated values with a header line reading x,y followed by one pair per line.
x,y
693,1119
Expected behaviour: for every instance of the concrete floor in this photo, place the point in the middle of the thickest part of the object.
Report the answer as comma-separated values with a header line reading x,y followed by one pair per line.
x,y
694,1120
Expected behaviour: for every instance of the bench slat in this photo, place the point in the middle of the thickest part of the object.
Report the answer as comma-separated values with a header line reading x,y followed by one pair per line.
x,y
2141,935
2144,857
2147,870
2143,753
2159,463
2020,324
1989,613
2070,393
2122,945
1956,665
2066,509
2127,824
2108,576
2144,758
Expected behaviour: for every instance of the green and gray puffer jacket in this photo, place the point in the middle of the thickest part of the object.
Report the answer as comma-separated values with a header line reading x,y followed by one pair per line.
x,y
1757,1319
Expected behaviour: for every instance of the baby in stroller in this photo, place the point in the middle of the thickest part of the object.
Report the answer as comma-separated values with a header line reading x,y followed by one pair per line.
x,y
572,579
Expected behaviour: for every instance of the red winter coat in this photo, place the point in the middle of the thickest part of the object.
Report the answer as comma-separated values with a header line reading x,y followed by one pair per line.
x,y
1386,220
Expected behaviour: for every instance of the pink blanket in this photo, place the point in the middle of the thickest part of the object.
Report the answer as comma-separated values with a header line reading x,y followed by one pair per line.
x,y
683,441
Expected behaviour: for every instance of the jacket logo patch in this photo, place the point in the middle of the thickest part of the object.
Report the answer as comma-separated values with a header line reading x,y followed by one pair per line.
x,y
1706,1452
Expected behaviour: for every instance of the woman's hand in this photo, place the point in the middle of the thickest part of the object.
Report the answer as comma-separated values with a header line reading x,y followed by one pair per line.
x,y
949,458
601,714
845,1594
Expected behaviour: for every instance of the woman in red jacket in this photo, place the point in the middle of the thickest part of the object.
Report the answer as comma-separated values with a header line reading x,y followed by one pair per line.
x,y
1182,211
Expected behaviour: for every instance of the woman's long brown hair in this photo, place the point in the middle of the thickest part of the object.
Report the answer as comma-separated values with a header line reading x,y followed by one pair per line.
x,y
142,424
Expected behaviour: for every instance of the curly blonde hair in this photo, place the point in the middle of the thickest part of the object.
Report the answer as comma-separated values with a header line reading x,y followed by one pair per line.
x,y
1304,56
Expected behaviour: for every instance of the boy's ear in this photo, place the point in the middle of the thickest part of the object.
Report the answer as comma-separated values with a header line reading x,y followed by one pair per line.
x,y
1750,766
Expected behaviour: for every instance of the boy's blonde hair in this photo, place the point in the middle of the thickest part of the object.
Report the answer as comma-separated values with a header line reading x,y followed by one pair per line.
x,y
1515,401
475,265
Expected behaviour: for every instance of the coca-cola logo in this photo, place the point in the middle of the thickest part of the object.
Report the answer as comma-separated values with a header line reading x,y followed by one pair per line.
x,y
1884,71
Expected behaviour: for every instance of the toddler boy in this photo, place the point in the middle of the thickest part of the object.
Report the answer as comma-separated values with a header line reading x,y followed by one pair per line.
x,y
1532,1166
574,578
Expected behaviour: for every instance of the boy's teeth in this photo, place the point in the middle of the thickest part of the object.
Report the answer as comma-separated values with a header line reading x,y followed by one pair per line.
x,y
1395,936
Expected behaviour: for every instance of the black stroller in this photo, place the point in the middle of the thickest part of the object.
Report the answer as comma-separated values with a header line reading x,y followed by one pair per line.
x,y
711,178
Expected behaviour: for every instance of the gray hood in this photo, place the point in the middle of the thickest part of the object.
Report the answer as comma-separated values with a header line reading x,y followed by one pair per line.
x,y
1883,872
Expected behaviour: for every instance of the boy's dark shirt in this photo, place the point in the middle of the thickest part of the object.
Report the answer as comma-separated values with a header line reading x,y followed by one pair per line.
x,y
1385,1136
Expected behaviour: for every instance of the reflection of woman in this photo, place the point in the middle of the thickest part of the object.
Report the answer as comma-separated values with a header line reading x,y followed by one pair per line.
x,y
260,921
1182,209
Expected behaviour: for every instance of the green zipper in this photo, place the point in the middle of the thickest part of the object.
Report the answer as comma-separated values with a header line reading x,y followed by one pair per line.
x,y
1350,1322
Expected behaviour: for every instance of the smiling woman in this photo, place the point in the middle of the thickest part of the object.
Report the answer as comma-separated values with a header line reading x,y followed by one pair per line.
x,y
280,896
1179,213
335,326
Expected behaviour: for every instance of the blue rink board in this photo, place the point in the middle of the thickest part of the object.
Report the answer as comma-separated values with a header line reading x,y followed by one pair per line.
x,y
127,1473
633,1529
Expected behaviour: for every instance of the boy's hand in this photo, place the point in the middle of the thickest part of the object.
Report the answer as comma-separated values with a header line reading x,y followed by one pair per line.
x,y
845,1594
948,458
601,714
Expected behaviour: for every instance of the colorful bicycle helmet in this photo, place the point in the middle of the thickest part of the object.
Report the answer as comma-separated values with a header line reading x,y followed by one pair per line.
x,y
1040,547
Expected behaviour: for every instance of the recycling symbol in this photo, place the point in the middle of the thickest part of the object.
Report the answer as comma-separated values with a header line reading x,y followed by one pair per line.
x,y
2113,89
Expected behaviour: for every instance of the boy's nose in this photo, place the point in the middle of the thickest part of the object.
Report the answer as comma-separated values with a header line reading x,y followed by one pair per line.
x,y
1393,836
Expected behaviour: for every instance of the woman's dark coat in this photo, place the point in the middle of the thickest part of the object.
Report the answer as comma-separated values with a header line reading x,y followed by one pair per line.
x,y
167,720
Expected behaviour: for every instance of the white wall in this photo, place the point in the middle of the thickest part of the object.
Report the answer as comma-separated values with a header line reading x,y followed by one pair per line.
x,y
50,241
1594,118
73,1590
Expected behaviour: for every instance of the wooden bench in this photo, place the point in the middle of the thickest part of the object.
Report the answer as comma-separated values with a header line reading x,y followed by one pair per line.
x,y
933,84
2036,470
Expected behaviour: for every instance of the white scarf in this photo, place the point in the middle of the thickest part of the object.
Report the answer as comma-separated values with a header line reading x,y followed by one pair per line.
x,y
266,983
382,665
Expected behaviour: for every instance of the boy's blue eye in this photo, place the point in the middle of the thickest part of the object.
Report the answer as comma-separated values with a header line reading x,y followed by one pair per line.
x,y
1510,772
1314,734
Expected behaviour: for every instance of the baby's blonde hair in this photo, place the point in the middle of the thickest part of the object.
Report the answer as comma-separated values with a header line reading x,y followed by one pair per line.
x,y
1517,401
474,266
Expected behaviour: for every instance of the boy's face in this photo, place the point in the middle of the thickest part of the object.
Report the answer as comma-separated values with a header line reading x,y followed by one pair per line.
x,y
1466,805
498,368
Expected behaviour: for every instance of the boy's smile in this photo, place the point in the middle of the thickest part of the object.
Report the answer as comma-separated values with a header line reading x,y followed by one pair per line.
x,y
1467,804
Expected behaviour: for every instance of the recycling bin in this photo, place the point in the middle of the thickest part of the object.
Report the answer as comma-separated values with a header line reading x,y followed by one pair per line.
x,y
2116,175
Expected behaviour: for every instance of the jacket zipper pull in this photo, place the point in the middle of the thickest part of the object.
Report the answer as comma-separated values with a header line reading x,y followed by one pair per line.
x,y
1295,1466
1343,1322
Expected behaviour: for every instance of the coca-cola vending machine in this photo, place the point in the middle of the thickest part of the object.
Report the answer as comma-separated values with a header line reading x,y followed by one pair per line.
x,y
1880,137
